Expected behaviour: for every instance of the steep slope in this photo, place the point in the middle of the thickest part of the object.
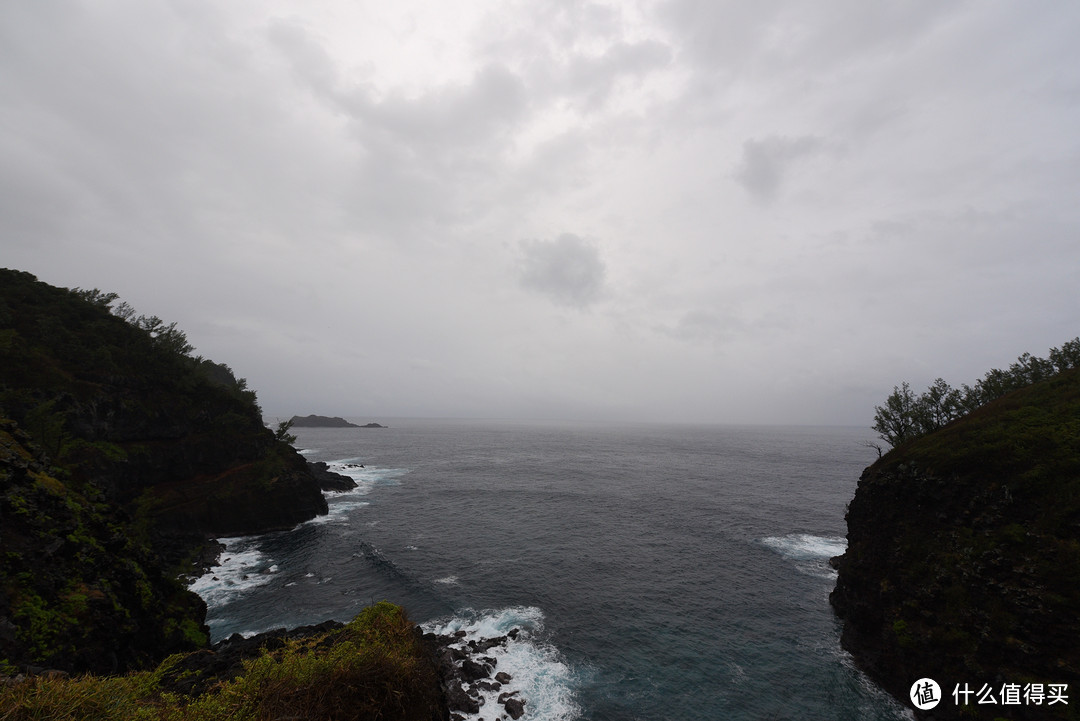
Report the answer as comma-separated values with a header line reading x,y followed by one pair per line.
x,y
115,442
963,558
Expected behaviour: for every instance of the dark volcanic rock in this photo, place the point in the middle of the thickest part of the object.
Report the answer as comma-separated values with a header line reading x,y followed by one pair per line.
x,y
488,643
472,671
328,480
464,677
458,700
515,707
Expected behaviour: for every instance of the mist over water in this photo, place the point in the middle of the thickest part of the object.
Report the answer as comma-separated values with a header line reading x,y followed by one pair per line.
x,y
657,572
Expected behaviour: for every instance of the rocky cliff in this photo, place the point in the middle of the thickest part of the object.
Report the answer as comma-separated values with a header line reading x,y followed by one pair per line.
x,y
120,456
963,558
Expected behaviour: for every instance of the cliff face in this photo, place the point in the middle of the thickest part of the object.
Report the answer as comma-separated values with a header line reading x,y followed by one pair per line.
x,y
963,558
118,442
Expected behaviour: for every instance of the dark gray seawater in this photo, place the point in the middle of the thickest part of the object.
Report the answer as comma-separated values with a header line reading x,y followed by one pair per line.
x,y
660,572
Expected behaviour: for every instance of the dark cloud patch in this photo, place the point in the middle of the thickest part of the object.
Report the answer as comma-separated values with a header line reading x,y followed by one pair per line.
x,y
765,163
568,270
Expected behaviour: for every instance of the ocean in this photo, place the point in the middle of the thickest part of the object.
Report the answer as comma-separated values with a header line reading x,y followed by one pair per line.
x,y
655,571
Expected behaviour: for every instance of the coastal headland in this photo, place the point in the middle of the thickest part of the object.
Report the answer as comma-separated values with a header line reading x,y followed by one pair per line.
x,y
963,559
122,456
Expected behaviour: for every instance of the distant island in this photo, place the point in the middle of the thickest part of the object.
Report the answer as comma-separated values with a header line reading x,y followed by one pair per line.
x,y
314,421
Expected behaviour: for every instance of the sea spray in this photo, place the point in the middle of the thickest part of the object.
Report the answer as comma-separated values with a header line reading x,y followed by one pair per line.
x,y
242,567
810,553
539,674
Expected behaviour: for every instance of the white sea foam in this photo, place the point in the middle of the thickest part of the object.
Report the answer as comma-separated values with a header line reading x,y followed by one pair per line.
x,y
810,553
366,476
448,580
540,676
339,508
803,546
341,504
242,567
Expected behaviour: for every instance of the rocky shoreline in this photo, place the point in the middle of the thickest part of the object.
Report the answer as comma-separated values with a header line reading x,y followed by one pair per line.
x,y
468,677
329,480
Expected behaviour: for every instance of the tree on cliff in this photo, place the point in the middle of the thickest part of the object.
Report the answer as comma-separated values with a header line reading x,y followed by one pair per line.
x,y
895,421
165,336
905,416
282,432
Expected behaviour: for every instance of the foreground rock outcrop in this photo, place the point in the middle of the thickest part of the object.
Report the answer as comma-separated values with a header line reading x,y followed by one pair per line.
x,y
963,558
377,666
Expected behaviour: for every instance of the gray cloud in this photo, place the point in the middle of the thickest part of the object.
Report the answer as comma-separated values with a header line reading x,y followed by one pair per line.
x,y
593,78
736,38
324,187
568,270
703,325
765,163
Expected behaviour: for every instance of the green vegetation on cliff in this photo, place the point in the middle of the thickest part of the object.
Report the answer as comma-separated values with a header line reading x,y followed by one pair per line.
x,y
963,558
120,455
906,416
374,667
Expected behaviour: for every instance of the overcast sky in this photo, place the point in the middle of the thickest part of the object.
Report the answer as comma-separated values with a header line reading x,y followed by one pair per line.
x,y
683,210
